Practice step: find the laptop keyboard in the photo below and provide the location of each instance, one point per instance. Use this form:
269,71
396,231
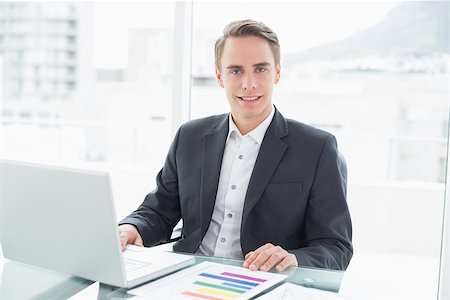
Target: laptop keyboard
131,264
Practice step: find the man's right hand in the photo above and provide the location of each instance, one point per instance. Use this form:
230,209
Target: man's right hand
129,235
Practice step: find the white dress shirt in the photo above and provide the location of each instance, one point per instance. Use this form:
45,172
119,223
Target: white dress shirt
223,235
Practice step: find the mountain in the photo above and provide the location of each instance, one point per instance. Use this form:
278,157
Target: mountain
411,28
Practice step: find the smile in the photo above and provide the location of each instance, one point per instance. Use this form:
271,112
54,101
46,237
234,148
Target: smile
253,98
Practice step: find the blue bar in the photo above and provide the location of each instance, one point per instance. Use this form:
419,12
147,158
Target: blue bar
229,279
236,286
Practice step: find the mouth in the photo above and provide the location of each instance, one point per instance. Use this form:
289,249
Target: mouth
249,98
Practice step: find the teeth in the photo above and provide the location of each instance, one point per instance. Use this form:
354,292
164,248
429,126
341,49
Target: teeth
249,98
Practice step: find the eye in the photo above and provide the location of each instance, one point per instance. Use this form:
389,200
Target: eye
261,69
235,71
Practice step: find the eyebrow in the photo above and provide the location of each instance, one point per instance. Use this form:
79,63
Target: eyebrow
261,64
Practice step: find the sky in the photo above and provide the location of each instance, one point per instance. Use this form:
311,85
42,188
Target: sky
299,24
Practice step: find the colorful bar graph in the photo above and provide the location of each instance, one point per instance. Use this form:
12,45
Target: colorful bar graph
237,286
197,295
226,285
219,287
243,277
228,279
218,293
209,281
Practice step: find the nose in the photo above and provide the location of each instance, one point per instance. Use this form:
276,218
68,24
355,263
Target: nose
248,82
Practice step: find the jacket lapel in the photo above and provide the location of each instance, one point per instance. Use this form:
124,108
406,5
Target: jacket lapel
213,148
271,151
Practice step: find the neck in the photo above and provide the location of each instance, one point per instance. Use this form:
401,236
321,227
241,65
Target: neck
246,125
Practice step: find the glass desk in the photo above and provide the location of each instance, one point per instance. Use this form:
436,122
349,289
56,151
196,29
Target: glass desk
22,281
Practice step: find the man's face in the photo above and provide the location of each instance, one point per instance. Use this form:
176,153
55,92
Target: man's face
248,73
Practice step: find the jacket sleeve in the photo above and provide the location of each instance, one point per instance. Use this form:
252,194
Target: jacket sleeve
156,217
328,229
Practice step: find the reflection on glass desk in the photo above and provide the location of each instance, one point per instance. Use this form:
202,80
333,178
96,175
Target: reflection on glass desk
22,281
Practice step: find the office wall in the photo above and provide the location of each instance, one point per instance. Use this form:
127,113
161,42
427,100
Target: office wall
444,286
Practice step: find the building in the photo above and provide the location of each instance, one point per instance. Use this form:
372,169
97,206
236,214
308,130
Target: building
46,49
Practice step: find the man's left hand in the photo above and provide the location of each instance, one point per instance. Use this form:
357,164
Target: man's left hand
268,256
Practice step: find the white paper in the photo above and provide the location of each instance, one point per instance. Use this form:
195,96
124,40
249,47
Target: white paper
290,291
211,280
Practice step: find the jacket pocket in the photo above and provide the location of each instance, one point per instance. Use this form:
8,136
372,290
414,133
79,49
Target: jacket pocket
284,188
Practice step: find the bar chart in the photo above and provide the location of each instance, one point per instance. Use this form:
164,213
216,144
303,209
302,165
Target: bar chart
210,281
227,285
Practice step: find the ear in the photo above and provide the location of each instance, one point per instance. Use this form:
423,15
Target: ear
219,77
277,74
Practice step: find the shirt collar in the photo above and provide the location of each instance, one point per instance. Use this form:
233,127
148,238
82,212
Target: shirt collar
256,134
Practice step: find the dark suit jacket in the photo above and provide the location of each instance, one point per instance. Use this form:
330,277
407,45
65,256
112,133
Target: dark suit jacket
296,196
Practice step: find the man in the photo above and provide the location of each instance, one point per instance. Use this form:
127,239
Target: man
250,184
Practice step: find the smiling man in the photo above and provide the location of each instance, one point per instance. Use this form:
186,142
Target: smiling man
250,184
247,70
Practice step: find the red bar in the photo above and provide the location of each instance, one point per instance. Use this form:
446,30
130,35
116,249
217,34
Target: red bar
200,296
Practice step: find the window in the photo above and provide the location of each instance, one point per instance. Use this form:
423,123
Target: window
121,125
375,74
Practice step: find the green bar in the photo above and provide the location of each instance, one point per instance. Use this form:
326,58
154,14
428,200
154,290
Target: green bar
219,287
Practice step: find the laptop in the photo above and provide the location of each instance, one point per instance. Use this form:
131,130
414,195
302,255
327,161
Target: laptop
64,220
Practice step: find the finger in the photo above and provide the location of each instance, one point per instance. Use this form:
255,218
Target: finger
138,241
123,240
251,256
254,254
289,261
274,259
263,257
246,263
248,255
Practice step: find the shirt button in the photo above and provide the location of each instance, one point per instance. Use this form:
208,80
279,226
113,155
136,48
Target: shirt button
241,156
233,187
230,216
223,240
